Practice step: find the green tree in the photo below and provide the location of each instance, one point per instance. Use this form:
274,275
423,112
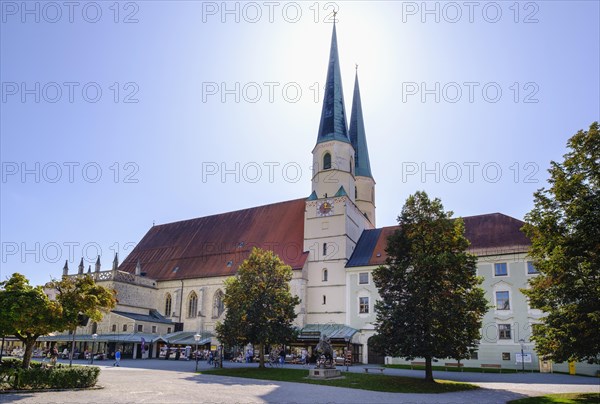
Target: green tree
27,313
431,303
81,298
260,306
564,227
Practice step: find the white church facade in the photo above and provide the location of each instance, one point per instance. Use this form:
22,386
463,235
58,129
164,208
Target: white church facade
170,287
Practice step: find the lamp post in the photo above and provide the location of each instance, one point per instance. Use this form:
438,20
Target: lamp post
522,342
94,336
197,339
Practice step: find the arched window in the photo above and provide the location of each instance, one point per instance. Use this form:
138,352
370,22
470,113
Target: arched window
324,299
168,304
218,304
326,161
355,193
193,305
324,250
325,275
94,327
352,165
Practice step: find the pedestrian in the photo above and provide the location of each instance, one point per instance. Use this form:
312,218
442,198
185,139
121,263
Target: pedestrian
282,356
188,352
117,358
53,356
210,358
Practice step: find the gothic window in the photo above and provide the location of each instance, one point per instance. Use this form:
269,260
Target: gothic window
193,305
218,304
326,161
168,303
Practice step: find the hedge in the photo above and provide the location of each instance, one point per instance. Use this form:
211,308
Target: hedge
37,377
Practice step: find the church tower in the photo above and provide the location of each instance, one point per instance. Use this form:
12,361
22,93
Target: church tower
364,193
333,220
333,155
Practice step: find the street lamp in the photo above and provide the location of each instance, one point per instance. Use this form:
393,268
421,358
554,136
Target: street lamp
94,336
522,342
197,339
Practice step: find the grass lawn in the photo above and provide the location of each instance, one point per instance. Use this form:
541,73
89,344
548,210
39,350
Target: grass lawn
568,398
375,382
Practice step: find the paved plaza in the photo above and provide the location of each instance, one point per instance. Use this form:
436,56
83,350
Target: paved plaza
160,381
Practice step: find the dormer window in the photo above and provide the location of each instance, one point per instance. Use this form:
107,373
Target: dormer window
326,161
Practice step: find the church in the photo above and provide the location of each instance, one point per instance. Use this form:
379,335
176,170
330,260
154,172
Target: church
170,287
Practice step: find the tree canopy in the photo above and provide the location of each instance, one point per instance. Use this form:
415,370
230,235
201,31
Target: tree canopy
259,303
431,303
28,313
564,227
82,296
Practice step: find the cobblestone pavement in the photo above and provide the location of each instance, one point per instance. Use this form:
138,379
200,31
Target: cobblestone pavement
159,381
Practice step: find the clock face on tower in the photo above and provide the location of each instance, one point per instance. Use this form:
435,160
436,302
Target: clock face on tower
325,208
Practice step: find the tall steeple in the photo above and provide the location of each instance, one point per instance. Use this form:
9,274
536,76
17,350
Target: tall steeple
333,124
364,192
357,135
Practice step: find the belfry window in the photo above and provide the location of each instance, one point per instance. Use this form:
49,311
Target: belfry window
326,161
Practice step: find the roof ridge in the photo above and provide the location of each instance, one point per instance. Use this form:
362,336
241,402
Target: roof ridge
229,212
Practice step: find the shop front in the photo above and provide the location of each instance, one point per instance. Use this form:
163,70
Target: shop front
345,351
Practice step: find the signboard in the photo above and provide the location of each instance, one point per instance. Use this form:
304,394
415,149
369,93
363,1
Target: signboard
526,358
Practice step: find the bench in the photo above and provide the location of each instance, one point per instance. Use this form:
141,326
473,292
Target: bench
454,365
380,369
416,364
490,366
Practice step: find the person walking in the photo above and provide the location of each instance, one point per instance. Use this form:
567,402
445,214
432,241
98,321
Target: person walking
117,358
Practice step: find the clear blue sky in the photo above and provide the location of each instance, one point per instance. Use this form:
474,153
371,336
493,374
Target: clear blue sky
83,174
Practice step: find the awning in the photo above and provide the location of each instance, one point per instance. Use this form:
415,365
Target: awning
185,338
313,332
123,338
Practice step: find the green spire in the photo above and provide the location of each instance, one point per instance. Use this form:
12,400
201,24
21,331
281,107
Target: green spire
358,137
340,192
333,116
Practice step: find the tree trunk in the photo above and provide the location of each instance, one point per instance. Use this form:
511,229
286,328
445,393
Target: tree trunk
261,356
29,343
72,348
428,370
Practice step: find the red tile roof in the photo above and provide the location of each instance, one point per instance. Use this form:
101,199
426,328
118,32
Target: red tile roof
216,245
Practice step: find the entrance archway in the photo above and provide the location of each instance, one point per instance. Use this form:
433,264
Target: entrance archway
374,357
